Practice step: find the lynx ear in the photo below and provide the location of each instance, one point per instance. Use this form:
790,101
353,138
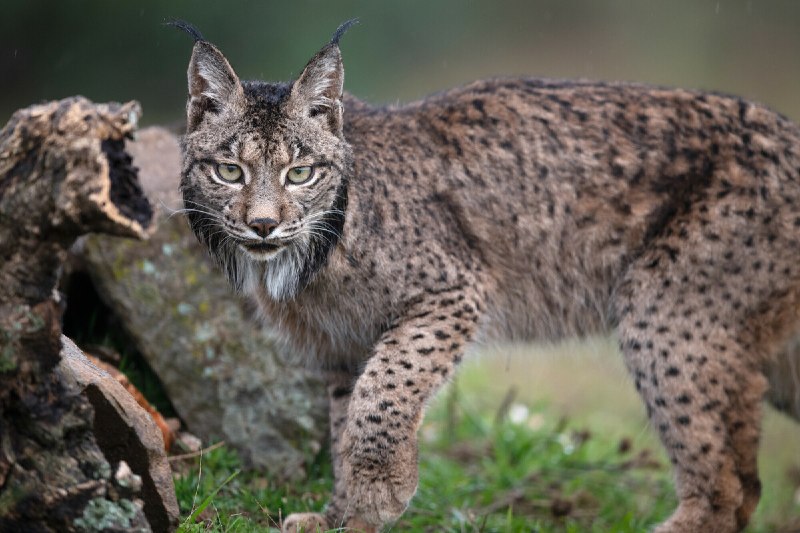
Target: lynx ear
213,85
318,90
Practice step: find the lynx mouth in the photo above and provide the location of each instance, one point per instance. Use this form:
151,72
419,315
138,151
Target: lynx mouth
262,250
262,246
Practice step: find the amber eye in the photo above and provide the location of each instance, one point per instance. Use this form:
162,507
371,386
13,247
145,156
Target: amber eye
298,175
229,172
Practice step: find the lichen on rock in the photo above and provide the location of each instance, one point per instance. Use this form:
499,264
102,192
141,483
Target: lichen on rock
101,515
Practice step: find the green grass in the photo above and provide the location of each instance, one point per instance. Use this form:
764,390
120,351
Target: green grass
248,502
526,471
498,462
530,471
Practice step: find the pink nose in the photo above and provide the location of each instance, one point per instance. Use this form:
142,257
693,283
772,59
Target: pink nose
263,226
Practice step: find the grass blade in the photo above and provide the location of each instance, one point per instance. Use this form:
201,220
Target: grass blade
206,502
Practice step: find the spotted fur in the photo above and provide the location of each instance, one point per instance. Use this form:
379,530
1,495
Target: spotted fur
511,209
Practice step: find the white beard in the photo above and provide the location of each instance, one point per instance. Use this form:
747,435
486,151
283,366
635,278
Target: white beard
279,275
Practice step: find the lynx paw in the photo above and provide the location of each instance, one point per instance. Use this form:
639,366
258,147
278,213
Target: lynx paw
317,523
379,492
305,523
378,499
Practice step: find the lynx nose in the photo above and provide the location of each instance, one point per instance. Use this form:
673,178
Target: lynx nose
263,226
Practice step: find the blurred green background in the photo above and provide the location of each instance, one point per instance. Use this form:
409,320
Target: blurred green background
402,50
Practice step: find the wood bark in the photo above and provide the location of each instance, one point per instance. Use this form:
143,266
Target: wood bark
63,173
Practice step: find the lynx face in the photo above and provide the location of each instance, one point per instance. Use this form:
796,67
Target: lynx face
266,169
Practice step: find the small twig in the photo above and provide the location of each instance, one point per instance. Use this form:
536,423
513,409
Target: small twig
198,453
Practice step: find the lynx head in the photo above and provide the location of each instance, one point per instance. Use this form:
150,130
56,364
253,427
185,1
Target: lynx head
266,167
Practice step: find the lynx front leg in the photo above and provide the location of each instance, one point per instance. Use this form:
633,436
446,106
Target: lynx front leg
409,363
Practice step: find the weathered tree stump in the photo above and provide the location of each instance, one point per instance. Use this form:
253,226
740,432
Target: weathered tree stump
63,173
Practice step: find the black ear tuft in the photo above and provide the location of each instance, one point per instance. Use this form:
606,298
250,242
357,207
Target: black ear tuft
188,28
342,29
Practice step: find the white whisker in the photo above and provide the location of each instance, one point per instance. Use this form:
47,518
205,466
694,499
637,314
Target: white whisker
214,216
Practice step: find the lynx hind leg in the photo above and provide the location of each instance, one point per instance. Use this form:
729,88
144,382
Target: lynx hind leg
743,420
702,396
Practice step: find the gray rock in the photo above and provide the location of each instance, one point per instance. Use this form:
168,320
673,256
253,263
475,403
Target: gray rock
127,436
220,369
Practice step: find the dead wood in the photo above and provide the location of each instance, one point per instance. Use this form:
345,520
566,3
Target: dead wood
63,173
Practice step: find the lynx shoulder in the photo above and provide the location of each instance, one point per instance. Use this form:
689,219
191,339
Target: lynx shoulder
383,241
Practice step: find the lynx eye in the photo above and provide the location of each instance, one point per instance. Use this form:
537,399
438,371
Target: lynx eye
298,175
229,172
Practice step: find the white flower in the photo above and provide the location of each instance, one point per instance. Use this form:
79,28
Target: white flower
517,413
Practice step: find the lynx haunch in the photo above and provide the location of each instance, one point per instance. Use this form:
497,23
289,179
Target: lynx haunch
382,241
